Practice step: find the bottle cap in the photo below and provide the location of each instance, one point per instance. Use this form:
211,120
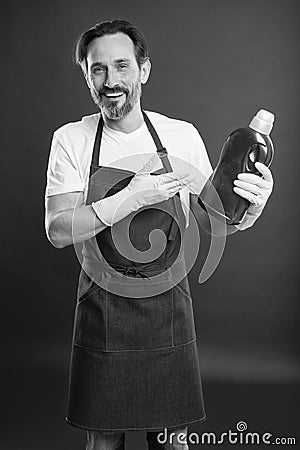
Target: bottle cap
262,122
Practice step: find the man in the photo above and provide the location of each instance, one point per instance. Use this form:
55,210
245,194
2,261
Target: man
134,362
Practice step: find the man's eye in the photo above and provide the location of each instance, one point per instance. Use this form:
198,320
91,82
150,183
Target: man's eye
122,66
97,70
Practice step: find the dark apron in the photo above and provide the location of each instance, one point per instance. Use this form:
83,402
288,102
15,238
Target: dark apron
134,362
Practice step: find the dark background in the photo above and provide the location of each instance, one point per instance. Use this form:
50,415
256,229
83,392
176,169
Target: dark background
214,63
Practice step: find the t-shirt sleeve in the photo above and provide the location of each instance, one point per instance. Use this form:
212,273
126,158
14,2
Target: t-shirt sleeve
200,161
62,174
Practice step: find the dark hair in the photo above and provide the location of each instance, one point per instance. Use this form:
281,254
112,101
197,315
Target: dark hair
111,27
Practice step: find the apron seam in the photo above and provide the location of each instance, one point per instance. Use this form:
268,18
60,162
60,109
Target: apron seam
172,317
202,419
87,294
183,291
134,350
106,320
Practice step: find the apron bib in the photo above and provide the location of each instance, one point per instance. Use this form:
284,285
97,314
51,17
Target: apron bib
134,362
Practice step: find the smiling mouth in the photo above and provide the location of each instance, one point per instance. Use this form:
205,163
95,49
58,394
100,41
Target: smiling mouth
114,95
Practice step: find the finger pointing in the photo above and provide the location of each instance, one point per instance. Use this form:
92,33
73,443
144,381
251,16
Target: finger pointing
149,165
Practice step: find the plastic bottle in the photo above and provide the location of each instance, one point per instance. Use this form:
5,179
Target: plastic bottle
243,147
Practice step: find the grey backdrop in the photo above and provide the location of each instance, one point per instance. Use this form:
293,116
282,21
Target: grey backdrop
214,63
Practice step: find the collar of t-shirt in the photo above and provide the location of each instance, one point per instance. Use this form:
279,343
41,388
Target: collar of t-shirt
127,137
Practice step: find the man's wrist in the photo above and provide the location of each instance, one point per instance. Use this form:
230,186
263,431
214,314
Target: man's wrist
99,212
249,220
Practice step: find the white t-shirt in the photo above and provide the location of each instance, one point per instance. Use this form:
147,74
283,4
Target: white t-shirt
72,147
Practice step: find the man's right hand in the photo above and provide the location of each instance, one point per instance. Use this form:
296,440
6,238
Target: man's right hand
146,189
143,190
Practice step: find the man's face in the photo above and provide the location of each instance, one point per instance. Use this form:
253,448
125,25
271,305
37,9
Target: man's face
113,75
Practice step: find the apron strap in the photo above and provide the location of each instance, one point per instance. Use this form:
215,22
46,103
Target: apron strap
163,154
97,145
161,151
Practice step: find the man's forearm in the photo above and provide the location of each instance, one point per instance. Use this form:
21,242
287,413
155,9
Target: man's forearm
208,223
73,226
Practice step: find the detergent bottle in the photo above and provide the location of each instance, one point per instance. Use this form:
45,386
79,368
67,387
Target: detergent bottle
243,147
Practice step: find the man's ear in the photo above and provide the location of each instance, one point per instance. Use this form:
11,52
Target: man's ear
145,71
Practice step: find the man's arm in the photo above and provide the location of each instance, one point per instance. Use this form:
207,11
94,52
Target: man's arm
256,189
200,171
68,221
209,224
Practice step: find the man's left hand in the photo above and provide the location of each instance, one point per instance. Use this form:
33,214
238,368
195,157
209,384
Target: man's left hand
256,189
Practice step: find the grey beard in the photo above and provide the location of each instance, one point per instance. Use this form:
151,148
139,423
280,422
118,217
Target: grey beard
115,112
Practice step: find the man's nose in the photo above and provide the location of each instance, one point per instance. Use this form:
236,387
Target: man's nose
111,79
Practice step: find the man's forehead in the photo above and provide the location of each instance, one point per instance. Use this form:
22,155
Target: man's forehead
112,46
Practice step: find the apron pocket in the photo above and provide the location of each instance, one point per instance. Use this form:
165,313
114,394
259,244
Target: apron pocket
139,323
90,319
183,315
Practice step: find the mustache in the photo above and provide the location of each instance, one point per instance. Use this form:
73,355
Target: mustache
116,90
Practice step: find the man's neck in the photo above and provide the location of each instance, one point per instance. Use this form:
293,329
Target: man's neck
131,122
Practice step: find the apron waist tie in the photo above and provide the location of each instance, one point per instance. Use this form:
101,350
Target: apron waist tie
145,270
141,280
97,269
